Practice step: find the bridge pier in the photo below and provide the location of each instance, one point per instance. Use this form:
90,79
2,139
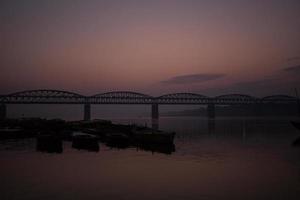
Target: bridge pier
87,112
154,115
155,124
258,110
211,111
2,111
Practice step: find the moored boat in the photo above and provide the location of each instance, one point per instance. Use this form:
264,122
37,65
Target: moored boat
153,136
85,141
49,143
118,140
117,137
166,148
15,133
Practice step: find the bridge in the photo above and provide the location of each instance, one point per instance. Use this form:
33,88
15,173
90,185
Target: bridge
127,97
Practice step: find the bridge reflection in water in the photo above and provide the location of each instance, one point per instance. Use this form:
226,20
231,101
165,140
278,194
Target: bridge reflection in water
126,97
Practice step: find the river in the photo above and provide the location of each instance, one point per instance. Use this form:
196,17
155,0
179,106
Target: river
225,158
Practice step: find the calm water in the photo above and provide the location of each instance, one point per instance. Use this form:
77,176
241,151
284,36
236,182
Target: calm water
221,159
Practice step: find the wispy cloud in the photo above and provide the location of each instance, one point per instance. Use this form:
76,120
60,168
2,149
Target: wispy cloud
293,58
255,84
293,69
193,78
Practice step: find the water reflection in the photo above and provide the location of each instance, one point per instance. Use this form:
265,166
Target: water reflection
221,159
118,144
211,126
195,131
167,148
54,144
157,148
189,130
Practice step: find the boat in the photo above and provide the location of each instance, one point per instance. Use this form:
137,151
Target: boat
296,124
49,143
117,137
85,141
153,136
6,132
118,140
15,133
165,148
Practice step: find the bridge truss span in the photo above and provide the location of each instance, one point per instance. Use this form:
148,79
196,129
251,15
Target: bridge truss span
230,99
279,99
182,98
121,97
44,97
127,97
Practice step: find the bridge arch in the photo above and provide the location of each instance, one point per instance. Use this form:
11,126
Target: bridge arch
236,96
45,93
279,97
182,96
45,97
122,94
230,99
121,97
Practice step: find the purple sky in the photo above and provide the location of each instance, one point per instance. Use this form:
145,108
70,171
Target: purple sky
155,47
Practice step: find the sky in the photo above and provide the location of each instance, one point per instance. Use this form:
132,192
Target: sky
210,47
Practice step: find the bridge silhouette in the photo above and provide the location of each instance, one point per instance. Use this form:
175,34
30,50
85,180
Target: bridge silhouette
127,97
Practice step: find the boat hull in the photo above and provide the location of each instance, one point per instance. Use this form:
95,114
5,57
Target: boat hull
49,144
85,142
154,138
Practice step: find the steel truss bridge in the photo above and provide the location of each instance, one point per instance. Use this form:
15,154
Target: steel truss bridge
127,97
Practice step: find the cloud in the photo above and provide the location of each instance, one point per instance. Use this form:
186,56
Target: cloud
259,87
255,84
193,78
293,58
292,69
